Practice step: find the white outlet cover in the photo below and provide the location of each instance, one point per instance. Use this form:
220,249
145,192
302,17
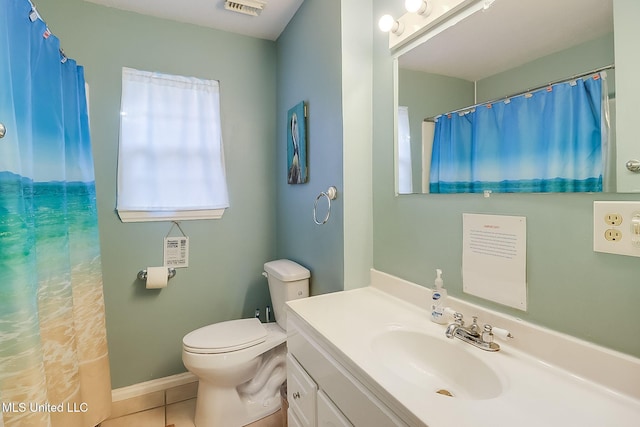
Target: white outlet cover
629,244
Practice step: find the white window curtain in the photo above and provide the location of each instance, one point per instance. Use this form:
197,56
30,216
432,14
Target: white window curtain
170,158
405,174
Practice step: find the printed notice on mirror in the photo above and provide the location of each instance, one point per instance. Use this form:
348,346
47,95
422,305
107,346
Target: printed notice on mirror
494,258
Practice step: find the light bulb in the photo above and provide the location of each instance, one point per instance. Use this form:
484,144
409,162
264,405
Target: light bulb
386,23
412,5
421,7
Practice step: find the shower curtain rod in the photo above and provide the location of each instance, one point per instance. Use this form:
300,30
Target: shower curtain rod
493,101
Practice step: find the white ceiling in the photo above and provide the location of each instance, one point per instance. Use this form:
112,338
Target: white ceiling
510,33
211,13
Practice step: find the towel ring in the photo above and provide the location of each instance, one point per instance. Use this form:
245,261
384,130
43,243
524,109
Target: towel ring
330,194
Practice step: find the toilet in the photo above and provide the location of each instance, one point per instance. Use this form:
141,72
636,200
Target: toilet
240,364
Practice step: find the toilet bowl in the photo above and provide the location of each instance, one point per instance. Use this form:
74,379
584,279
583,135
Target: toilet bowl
239,380
240,364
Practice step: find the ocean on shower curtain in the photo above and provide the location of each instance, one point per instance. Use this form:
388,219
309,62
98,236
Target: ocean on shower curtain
54,367
550,140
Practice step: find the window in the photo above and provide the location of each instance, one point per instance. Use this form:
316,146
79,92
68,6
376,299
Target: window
170,157
405,174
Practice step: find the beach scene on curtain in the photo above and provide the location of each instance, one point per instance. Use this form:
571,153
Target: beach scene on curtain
297,144
52,324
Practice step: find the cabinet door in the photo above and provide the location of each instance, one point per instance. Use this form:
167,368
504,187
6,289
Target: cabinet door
292,420
328,413
301,393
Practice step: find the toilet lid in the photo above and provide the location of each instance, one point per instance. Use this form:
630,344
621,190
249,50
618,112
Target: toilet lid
226,336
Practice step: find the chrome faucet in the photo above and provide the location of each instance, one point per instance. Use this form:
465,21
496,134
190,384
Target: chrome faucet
472,334
452,328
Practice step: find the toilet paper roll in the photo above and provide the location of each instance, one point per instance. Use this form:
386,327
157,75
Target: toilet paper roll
157,277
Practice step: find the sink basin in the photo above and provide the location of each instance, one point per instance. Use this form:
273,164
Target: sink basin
436,365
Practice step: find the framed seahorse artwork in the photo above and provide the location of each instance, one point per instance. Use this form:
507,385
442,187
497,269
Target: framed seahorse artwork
297,172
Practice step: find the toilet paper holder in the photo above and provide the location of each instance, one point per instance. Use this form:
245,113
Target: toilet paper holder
142,274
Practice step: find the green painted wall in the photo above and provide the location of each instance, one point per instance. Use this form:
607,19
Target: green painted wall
357,105
324,59
625,17
223,281
571,289
309,69
575,60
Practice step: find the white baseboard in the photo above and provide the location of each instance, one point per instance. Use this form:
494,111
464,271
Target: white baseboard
152,386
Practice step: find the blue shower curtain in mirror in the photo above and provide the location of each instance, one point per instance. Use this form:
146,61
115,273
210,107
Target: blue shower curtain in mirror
54,367
549,140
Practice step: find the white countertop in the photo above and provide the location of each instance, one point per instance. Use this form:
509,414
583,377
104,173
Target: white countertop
535,392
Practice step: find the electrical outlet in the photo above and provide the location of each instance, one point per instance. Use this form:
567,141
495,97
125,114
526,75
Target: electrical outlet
613,235
613,219
616,228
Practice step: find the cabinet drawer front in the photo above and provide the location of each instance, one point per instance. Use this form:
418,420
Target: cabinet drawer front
328,414
301,393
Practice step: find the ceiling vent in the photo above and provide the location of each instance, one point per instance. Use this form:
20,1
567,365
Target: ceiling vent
247,7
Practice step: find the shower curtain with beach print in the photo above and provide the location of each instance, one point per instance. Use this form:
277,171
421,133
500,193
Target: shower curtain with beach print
551,140
54,367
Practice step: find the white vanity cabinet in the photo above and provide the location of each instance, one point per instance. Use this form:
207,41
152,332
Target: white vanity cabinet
292,419
301,393
328,413
322,392
373,370
308,406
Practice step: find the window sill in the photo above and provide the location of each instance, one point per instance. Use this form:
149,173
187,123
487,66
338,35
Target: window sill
149,216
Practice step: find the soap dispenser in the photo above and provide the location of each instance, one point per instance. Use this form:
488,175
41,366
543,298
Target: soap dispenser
438,300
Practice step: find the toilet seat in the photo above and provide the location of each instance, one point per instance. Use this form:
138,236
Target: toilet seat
225,337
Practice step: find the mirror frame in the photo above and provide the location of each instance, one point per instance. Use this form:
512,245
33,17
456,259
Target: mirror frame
418,37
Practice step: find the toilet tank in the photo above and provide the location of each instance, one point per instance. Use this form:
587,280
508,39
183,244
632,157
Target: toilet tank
287,281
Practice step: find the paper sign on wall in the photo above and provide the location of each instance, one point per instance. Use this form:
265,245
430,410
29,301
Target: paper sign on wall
494,258
176,252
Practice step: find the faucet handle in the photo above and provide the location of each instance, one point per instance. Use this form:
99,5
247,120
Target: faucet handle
475,328
457,317
502,333
487,334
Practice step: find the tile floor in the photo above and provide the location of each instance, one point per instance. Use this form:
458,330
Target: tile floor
175,406
179,414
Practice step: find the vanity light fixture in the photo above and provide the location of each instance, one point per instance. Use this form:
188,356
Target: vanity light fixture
429,18
421,7
388,24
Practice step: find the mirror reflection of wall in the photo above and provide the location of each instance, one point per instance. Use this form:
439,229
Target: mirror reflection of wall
427,94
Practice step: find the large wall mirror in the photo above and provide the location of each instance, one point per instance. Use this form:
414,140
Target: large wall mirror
511,48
